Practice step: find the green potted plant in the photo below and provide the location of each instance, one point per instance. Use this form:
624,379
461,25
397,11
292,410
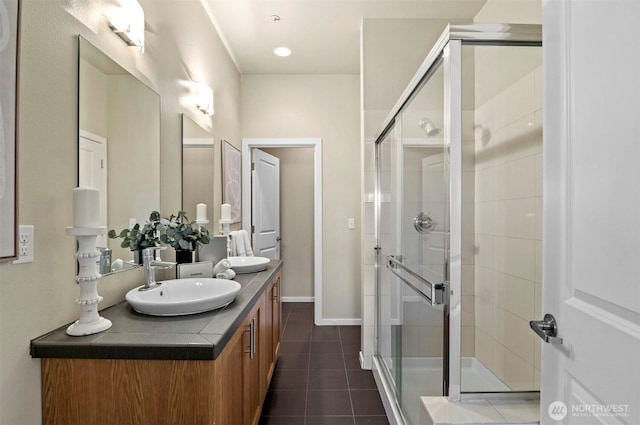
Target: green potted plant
140,237
183,235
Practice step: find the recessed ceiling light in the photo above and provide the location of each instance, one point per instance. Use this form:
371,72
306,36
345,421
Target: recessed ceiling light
282,51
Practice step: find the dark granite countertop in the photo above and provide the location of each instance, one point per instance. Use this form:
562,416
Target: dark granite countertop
136,336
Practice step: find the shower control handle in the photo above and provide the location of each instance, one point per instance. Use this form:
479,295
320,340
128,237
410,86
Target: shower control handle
547,329
423,223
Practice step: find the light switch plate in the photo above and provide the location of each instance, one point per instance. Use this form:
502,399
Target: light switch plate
351,223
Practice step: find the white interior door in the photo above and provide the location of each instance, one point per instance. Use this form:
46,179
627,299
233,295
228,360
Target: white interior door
591,212
266,205
92,172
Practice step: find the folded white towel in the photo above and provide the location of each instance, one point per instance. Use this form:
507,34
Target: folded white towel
240,248
221,267
227,274
247,242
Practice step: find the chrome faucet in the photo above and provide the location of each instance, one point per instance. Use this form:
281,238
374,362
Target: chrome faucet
150,265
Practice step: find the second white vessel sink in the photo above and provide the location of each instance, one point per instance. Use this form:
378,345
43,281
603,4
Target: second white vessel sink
248,264
179,297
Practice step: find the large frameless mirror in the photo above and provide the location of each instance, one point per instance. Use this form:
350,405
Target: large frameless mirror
118,144
197,172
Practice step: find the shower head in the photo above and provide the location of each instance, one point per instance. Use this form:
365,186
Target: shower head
429,127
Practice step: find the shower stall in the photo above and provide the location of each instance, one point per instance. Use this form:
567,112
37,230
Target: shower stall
458,221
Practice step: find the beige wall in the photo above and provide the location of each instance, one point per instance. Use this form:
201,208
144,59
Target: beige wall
324,106
296,220
37,297
510,11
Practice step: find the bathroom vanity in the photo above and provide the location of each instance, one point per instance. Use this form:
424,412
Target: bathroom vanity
208,368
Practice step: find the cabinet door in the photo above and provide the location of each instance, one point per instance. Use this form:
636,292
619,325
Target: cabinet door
266,348
252,399
229,385
276,318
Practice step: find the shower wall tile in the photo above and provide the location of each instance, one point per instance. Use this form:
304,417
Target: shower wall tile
468,280
368,222
485,217
515,256
518,374
518,337
369,157
368,284
508,221
516,101
538,218
518,296
515,218
368,253
370,186
516,179
484,348
484,250
539,175
468,310
537,83
537,304
468,341
538,262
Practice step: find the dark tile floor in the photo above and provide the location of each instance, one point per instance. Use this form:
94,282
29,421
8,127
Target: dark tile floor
318,379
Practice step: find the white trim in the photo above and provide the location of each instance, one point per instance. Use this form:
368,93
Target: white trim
316,144
387,395
91,136
297,299
453,140
340,322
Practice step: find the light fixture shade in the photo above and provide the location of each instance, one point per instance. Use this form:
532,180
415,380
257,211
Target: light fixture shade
204,98
126,18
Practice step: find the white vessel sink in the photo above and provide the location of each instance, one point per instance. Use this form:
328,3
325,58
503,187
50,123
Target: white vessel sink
179,297
248,264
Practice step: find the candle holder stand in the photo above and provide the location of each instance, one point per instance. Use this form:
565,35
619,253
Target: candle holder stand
90,321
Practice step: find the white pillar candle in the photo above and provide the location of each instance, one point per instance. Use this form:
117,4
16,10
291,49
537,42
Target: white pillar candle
225,212
86,207
201,212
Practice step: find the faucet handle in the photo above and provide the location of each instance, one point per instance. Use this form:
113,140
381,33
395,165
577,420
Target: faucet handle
149,252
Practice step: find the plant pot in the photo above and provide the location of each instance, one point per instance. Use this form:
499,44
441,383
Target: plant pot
183,256
137,256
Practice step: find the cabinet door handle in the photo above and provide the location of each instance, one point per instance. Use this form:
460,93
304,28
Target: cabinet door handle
276,289
253,338
249,349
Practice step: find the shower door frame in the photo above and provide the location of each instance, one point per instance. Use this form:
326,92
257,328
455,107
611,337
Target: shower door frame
449,47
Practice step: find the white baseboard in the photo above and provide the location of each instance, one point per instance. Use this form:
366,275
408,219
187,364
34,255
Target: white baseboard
340,322
297,299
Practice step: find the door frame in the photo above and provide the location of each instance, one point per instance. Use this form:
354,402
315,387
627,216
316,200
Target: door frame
316,144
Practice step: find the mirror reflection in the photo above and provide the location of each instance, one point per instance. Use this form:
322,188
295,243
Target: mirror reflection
119,143
197,172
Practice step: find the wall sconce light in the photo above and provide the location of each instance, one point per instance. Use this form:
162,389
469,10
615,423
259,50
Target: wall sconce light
204,98
126,18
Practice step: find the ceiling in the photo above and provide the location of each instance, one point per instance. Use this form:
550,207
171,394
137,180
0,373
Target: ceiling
324,35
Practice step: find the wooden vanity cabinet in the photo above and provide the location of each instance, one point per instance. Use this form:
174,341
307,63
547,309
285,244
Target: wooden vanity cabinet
227,391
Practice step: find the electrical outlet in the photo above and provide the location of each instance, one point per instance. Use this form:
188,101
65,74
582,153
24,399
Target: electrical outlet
25,245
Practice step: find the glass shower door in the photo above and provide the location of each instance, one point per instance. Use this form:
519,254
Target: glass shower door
413,237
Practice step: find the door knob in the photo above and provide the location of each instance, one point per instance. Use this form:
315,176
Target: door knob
547,329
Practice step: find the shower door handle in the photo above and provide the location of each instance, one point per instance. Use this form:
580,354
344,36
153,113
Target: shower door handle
547,329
